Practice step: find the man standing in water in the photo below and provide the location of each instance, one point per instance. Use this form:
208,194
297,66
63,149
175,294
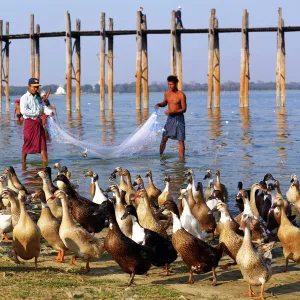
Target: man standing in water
175,126
32,109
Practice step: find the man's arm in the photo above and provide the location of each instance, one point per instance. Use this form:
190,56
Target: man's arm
25,110
162,104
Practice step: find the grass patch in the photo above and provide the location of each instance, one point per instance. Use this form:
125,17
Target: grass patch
152,291
58,283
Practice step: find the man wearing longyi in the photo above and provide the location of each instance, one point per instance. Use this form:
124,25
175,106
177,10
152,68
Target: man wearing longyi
175,125
32,108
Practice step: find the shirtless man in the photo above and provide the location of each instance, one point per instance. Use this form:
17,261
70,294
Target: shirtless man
175,126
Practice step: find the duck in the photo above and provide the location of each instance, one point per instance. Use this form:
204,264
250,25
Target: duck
99,196
123,184
288,234
259,231
3,186
221,187
189,190
133,258
164,252
238,200
188,221
11,196
204,215
152,191
55,206
215,198
26,235
165,195
130,192
82,209
232,237
125,225
196,193
197,255
293,192
5,225
76,238
13,181
210,185
255,267
146,215
49,226
51,186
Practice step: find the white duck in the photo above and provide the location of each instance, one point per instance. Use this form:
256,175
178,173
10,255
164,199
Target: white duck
210,186
188,221
98,197
5,224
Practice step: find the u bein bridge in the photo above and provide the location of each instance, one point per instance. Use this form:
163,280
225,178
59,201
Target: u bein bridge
141,32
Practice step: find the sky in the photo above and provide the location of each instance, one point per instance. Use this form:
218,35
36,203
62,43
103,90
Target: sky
195,14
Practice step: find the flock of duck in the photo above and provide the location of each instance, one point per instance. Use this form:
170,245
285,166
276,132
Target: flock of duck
138,218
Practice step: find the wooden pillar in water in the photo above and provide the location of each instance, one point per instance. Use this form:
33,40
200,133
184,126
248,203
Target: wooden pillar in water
211,33
6,79
282,68
102,62
110,68
138,72
78,64
280,63
216,62
37,53
179,57
244,71
68,61
145,64
32,50
1,65
173,43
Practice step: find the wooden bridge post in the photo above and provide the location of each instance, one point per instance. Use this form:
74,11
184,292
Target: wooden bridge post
282,68
244,71
110,68
278,59
6,79
68,60
173,43
216,62
138,60
179,56
211,47
78,64
145,64
102,61
1,64
32,50
37,52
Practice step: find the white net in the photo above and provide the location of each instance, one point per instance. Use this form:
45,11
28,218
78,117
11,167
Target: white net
139,141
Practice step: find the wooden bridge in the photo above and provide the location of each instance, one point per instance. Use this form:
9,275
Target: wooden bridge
141,32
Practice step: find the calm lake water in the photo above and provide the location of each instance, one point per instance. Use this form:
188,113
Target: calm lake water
243,144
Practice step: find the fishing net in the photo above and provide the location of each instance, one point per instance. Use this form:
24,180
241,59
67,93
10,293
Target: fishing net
139,141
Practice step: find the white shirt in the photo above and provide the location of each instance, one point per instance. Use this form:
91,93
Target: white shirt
32,105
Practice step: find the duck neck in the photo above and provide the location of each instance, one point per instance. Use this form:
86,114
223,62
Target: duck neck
118,198
283,217
15,206
252,202
247,237
66,217
176,223
135,222
167,187
151,184
218,179
273,196
247,207
46,189
186,210
193,185
129,183
225,216
209,185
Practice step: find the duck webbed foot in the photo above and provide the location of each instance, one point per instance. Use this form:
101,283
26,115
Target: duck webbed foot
73,259
250,293
6,238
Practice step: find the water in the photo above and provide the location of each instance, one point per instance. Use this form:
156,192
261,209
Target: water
243,144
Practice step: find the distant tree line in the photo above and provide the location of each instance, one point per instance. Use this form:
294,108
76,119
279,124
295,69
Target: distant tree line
162,86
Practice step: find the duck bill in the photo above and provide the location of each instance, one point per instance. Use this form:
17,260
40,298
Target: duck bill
36,176
124,216
134,183
205,177
160,210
